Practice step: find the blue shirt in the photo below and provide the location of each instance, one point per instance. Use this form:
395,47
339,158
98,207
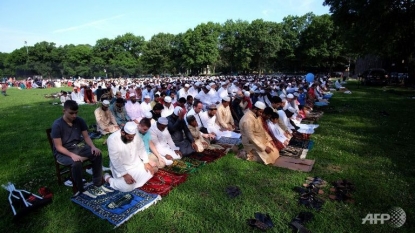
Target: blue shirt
301,98
146,140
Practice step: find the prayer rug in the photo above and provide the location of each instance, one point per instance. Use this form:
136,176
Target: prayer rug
209,155
305,165
292,151
229,141
184,165
117,207
163,182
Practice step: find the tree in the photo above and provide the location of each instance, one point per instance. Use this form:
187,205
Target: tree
200,46
77,60
383,27
320,44
292,29
157,53
229,45
261,42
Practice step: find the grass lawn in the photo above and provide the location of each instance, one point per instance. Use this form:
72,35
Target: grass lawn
356,143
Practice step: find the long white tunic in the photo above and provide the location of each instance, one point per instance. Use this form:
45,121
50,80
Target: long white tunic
164,143
212,127
167,111
285,120
145,107
127,158
133,110
276,131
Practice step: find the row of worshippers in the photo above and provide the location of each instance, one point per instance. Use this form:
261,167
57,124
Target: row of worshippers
136,151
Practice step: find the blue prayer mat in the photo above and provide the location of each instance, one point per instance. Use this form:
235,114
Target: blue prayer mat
117,207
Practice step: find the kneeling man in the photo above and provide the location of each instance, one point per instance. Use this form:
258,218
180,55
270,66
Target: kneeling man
128,160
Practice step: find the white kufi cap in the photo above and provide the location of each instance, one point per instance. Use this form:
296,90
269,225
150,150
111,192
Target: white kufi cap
163,121
130,128
167,99
260,105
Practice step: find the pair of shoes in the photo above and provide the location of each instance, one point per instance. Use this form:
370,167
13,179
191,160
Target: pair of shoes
89,171
297,224
261,221
98,191
69,183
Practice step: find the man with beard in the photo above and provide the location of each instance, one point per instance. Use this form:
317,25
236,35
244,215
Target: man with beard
256,141
106,122
119,112
208,120
156,112
133,109
168,107
129,161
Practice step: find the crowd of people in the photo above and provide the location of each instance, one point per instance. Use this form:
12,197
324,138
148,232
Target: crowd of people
152,122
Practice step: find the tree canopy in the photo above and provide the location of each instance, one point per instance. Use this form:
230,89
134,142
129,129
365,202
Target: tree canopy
297,43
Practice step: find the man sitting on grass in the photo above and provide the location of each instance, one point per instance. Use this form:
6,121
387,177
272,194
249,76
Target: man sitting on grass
105,120
257,142
72,146
129,161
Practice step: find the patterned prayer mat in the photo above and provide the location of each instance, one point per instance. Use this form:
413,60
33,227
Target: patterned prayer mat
184,165
117,207
231,141
299,143
210,155
163,182
292,151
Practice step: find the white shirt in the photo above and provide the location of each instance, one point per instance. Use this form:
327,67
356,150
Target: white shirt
192,91
78,97
162,141
197,116
285,120
183,93
125,156
209,122
276,131
133,110
145,107
167,111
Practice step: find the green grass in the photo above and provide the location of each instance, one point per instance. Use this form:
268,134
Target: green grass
356,143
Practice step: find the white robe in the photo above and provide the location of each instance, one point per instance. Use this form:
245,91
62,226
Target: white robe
145,107
164,143
212,127
167,111
133,110
277,131
127,158
285,120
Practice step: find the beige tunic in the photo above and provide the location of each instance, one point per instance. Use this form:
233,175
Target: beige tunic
105,120
255,139
224,117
